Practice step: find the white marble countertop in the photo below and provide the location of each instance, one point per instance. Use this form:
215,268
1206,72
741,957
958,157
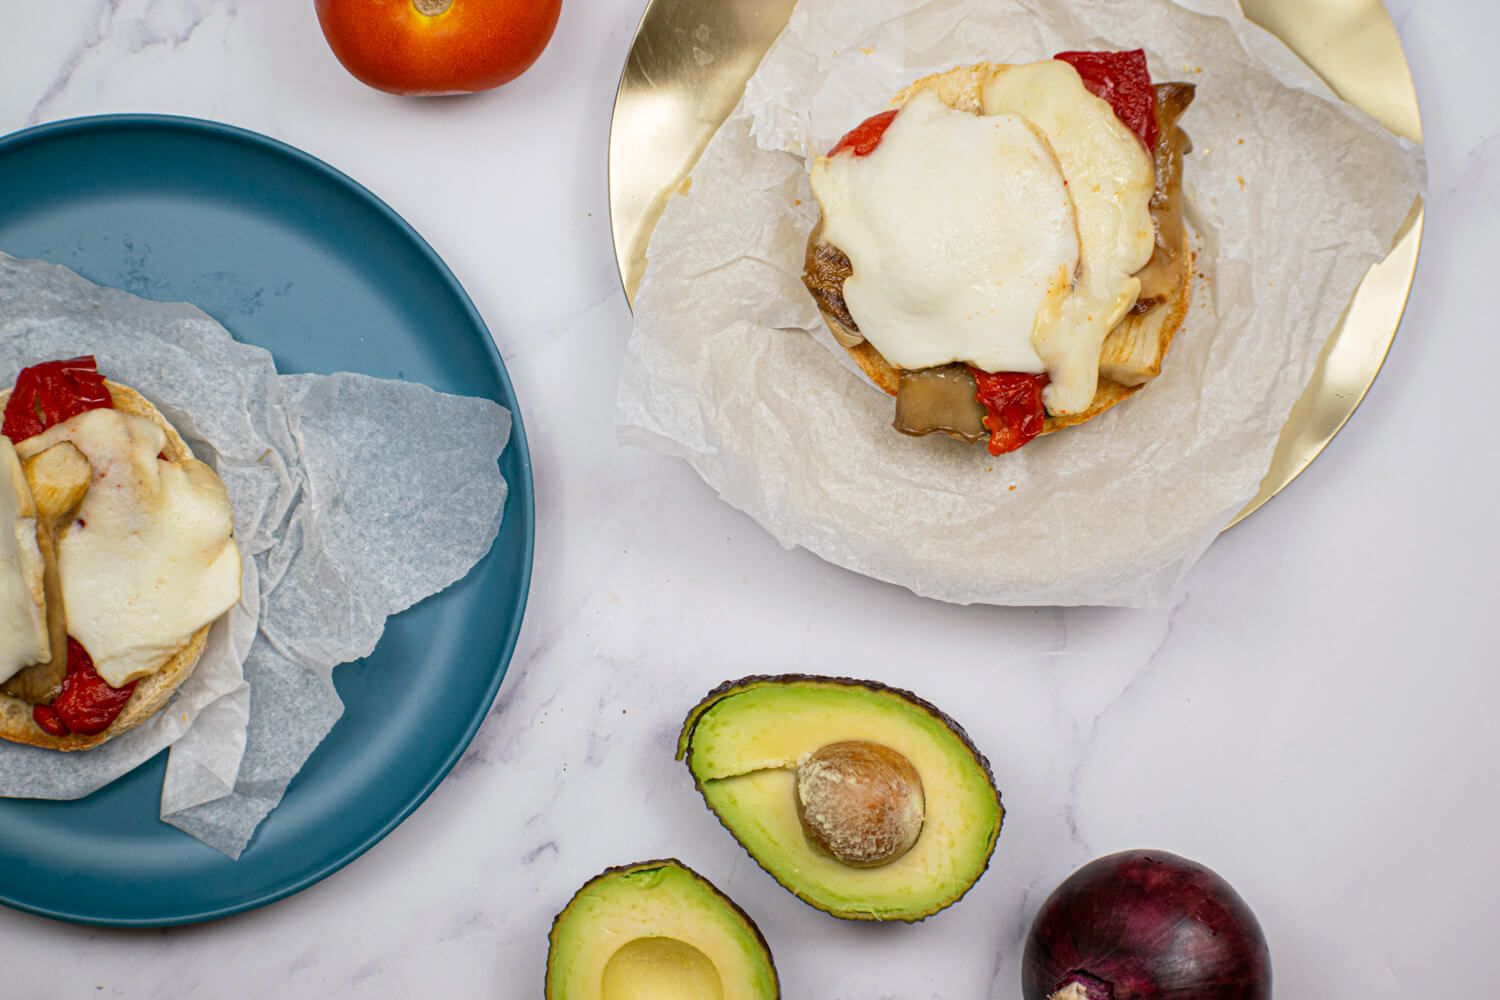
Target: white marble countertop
1315,719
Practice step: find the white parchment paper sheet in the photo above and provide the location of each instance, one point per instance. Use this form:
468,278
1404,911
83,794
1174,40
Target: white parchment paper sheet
354,499
1292,196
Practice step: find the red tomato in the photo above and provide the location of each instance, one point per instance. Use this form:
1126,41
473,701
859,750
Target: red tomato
427,47
86,704
52,392
1014,404
1122,79
863,138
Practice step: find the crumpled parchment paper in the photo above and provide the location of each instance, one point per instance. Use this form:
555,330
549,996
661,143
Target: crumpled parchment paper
354,498
1291,194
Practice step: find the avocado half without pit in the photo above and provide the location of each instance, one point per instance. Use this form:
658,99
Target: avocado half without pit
656,930
862,800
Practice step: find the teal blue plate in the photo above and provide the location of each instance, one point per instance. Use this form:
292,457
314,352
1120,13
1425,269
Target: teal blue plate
292,255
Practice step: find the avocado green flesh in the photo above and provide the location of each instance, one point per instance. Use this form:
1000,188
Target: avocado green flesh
743,751
656,931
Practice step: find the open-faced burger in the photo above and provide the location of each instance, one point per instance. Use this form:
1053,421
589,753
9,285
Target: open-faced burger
116,556
1004,251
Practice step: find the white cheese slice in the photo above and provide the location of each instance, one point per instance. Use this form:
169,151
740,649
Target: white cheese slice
1111,178
149,558
23,614
960,231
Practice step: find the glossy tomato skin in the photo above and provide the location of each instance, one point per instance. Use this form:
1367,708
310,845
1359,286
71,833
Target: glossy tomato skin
472,45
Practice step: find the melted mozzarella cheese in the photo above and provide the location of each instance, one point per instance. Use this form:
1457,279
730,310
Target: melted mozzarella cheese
961,233
1111,178
149,559
23,619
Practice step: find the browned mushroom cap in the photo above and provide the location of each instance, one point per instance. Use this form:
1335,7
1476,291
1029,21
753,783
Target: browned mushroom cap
1162,275
824,274
941,400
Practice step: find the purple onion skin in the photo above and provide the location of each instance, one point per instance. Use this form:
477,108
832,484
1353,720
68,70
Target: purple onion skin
1147,925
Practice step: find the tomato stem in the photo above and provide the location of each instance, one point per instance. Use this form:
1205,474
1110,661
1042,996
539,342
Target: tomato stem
432,8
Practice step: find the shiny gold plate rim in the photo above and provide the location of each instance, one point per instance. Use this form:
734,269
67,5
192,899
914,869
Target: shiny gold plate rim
690,59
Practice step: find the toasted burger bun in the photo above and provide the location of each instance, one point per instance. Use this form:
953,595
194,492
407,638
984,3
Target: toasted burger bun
961,88
151,693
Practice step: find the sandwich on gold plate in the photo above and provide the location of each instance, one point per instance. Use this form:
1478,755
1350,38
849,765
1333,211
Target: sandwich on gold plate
116,556
1004,251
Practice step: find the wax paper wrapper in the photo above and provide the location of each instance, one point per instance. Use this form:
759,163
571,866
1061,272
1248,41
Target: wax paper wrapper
354,498
1291,195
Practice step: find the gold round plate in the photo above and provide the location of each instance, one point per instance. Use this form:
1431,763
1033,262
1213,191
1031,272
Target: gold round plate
691,60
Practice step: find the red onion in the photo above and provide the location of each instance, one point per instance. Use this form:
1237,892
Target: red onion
1145,925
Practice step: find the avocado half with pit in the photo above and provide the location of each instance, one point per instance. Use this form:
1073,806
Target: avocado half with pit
862,800
656,930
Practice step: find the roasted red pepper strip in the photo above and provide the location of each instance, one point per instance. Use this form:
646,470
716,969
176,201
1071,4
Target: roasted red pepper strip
50,393
1122,79
48,720
864,137
1014,403
87,704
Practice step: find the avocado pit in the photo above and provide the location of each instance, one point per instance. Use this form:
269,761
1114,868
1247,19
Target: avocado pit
860,802
660,968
